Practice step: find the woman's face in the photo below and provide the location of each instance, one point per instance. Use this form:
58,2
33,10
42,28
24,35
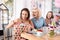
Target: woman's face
49,15
35,13
24,15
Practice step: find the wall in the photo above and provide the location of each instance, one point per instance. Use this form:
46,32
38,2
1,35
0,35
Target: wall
19,4
48,6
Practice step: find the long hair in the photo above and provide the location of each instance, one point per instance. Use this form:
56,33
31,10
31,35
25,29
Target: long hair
51,15
27,10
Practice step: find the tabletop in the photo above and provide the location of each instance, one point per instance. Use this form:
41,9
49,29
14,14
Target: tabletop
33,37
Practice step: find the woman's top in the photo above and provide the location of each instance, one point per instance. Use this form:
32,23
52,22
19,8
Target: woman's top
20,26
38,23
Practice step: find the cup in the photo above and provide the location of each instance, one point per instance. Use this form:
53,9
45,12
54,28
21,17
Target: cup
39,34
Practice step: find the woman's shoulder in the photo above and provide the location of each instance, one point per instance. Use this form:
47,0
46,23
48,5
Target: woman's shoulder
42,18
17,20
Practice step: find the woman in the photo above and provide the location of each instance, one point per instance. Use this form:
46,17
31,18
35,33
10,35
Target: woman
49,17
37,19
24,19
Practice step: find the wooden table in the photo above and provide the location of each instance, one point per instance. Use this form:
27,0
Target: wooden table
33,37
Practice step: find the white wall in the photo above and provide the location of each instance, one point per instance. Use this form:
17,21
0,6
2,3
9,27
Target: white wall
19,4
48,6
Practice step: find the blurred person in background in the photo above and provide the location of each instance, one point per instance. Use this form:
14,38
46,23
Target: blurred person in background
49,18
57,18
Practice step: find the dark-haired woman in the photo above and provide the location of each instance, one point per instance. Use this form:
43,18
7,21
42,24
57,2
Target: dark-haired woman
22,21
49,17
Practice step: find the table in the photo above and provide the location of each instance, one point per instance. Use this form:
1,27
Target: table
33,37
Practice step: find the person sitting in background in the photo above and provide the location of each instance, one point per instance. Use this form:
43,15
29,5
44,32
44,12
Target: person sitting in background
49,17
24,20
57,18
37,20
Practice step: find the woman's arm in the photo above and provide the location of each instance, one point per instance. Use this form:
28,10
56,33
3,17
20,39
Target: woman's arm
12,23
